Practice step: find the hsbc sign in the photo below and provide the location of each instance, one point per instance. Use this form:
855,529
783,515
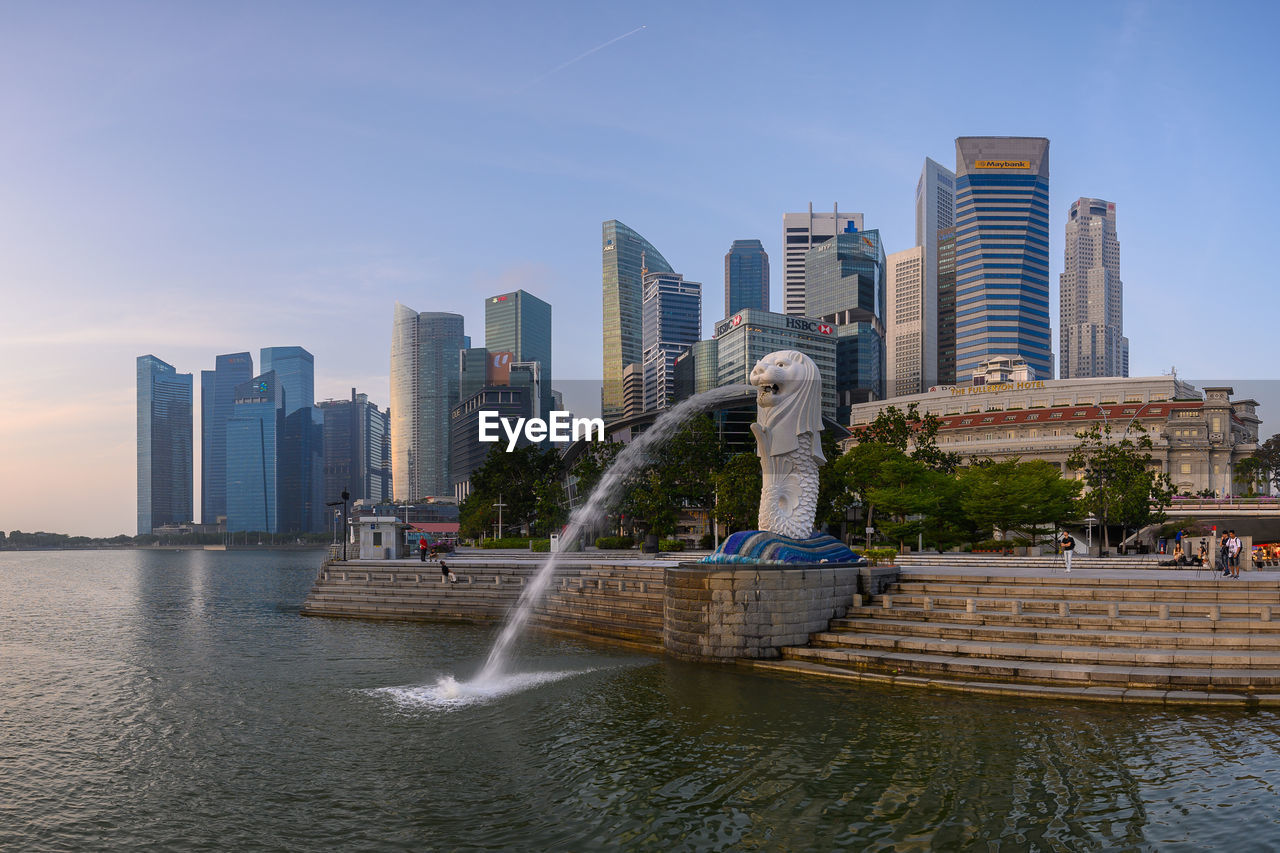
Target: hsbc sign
725,325
803,325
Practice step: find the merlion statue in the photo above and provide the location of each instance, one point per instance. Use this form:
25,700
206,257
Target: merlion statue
788,441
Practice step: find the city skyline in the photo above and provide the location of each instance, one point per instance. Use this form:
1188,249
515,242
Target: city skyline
206,183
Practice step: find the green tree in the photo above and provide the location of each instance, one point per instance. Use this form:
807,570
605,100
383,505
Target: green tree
520,480
678,476
1019,497
912,433
1252,473
1121,486
738,483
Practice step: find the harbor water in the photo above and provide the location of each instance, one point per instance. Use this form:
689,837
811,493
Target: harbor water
178,701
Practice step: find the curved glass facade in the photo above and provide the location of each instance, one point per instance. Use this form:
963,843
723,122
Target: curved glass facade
623,253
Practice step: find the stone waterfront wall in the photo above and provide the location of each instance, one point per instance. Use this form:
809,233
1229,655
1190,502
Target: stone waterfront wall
620,601
726,612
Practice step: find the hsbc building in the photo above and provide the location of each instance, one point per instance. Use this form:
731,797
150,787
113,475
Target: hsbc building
747,336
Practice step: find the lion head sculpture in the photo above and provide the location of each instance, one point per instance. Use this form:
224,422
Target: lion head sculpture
789,400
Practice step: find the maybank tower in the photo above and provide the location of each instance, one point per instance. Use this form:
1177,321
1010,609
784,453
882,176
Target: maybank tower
1002,253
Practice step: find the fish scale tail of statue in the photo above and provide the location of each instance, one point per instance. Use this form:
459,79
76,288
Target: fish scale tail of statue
788,433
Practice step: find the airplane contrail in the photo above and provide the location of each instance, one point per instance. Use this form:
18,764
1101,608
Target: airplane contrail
562,66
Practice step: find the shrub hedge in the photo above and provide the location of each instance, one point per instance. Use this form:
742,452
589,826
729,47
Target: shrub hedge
614,543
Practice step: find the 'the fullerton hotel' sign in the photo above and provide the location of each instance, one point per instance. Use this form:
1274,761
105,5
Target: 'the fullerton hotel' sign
994,387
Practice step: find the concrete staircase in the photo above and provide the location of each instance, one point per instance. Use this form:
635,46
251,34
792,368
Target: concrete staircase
1166,637
1047,563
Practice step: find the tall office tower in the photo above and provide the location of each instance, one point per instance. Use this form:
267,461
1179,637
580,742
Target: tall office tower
1002,252
520,323
217,399
301,473
904,325
164,445
632,391
624,253
473,371
254,434
1092,311
946,306
845,286
746,277
295,370
749,335
424,387
357,450
671,323
800,233
935,210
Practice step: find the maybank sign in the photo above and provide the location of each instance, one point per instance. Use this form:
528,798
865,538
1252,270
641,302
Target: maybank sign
1002,164
994,387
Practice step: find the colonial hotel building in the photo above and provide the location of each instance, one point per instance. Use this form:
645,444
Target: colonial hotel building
1198,438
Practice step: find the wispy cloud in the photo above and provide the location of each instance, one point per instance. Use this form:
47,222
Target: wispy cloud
562,66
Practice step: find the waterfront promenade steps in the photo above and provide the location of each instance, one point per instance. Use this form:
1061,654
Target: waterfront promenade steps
1135,636
1045,562
620,601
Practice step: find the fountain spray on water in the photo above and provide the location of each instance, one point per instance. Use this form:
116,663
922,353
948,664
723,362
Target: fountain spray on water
598,503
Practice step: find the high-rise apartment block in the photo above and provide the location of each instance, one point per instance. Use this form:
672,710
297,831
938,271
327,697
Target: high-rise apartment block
935,211
357,449
905,325
800,233
424,388
165,468
520,323
671,322
217,401
1002,252
1091,315
746,277
624,255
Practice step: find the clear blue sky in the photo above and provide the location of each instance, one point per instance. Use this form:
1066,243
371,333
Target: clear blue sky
189,179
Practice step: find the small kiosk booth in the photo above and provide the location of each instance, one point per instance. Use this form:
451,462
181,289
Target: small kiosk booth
378,537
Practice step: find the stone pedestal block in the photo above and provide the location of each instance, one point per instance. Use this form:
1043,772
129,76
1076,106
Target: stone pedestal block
723,612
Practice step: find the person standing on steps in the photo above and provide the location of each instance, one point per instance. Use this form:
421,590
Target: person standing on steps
1233,553
1068,545
422,549
1223,553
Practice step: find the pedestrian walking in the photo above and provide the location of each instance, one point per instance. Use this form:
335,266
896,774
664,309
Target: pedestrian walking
1068,545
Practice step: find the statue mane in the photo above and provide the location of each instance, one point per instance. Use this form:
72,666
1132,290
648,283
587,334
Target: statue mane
800,409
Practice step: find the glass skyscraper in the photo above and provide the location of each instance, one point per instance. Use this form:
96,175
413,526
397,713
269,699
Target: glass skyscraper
425,368
520,323
253,455
357,449
1002,252
746,277
165,466
946,306
935,211
844,284
295,370
623,254
671,323
217,400
800,233
749,335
